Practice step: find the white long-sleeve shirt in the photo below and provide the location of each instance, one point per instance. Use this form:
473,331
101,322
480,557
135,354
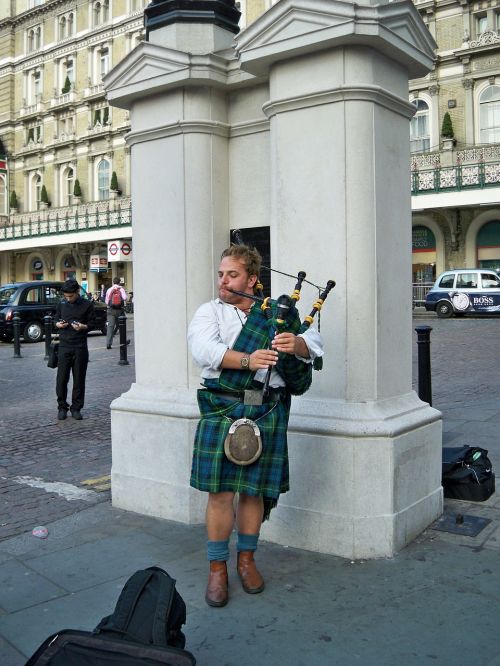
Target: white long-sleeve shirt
215,328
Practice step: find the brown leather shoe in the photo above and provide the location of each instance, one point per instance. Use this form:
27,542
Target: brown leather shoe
251,580
217,587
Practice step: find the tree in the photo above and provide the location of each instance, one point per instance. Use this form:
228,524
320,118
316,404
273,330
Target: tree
447,127
77,190
13,200
114,182
44,197
67,86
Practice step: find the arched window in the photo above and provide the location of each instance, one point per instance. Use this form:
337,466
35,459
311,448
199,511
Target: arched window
35,191
31,40
105,10
38,38
103,180
103,62
70,24
67,186
419,127
62,27
489,115
3,196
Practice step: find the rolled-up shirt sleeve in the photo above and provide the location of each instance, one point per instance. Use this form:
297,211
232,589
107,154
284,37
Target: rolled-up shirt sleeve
314,343
204,338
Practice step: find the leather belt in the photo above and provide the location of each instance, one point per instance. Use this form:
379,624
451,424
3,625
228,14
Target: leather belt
273,395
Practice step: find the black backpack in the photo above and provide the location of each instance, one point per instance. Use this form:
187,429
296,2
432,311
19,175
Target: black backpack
467,473
145,628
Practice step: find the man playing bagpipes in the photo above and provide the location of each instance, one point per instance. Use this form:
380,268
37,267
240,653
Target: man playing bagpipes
241,439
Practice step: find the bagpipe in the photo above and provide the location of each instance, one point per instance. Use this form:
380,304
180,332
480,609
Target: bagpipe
264,322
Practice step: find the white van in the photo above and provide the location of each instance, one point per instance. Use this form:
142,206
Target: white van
465,290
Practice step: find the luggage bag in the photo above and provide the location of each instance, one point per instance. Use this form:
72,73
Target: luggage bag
83,648
467,474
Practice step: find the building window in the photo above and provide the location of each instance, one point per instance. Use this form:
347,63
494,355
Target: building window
34,86
3,195
34,134
489,115
419,128
65,25
34,38
103,180
103,62
68,183
35,3
481,24
35,191
100,12
70,70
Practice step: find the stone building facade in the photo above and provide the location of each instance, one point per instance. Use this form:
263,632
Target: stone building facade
62,141
455,181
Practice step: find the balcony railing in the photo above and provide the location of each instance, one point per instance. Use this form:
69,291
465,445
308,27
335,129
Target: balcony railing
455,178
85,217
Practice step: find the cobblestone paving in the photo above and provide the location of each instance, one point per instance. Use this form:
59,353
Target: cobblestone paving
34,445
37,449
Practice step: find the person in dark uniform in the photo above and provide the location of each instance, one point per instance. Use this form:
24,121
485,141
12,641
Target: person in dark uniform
75,317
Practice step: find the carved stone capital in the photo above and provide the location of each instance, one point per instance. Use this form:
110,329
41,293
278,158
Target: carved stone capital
468,84
433,90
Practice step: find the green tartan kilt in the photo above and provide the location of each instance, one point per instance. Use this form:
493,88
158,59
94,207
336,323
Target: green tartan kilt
213,472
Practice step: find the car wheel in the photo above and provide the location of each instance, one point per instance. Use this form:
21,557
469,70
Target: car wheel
33,332
444,309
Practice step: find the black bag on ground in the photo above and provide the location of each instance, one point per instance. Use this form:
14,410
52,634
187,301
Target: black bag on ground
144,629
149,610
53,355
467,474
83,648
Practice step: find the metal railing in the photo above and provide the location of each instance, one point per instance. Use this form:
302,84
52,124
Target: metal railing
455,178
84,217
419,292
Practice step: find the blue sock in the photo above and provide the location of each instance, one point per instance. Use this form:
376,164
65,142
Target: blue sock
218,551
247,542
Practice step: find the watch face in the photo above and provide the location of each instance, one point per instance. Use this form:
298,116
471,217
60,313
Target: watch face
244,362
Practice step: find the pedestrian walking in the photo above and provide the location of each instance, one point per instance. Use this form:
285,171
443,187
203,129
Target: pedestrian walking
75,317
234,320
115,299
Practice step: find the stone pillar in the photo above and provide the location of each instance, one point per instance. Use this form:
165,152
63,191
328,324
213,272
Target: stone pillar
468,84
365,452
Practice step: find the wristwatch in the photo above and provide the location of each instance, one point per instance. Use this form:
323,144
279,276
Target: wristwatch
245,362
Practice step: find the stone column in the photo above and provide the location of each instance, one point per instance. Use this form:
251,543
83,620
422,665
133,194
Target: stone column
365,451
468,84
179,183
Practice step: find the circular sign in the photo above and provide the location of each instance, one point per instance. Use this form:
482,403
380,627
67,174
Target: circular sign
37,264
113,249
126,249
460,301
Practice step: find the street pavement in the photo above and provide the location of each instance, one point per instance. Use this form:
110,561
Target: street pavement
435,602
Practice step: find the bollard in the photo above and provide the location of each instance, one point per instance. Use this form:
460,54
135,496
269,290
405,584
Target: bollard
47,325
122,328
16,325
424,363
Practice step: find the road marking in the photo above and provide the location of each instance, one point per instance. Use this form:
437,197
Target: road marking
66,490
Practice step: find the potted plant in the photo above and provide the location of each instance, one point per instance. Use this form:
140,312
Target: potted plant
14,203
77,192
67,86
44,198
113,186
447,133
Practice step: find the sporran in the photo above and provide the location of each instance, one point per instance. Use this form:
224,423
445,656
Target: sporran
243,444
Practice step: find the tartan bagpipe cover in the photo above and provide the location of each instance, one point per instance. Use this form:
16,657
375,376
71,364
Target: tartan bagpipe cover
256,334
